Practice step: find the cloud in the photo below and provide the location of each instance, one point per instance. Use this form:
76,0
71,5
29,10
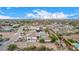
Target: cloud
8,17
4,17
31,15
43,14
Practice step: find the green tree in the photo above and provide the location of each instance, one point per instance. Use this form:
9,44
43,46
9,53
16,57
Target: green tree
42,40
53,38
12,47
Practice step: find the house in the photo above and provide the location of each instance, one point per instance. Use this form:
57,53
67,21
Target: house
43,35
32,37
15,25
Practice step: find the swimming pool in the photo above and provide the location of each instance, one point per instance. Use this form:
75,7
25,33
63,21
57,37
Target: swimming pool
77,45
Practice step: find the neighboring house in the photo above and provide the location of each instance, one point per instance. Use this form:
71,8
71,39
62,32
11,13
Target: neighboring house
43,35
7,28
15,25
33,28
1,27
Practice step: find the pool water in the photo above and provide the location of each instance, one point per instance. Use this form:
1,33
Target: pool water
77,45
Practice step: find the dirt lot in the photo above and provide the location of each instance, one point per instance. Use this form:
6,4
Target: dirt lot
74,36
25,44
7,34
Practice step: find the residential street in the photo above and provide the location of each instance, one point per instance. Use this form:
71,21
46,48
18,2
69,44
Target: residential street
12,39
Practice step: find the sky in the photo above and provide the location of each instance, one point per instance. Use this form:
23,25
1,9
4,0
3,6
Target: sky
39,12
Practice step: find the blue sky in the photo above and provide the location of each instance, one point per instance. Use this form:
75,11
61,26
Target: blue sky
39,12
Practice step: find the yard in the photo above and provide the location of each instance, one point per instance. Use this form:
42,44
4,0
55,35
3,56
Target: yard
7,34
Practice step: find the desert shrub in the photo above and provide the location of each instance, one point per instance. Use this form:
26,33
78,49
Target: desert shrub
42,41
12,47
31,48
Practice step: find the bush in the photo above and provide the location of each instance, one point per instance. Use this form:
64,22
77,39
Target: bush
72,41
77,32
31,48
41,48
34,48
1,39
0,35
12,47
46,30
42,41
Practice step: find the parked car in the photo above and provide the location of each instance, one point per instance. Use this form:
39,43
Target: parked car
7,39
0,44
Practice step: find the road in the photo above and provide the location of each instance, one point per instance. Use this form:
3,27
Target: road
12,39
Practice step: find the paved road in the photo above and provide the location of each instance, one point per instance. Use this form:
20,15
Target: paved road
12,40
